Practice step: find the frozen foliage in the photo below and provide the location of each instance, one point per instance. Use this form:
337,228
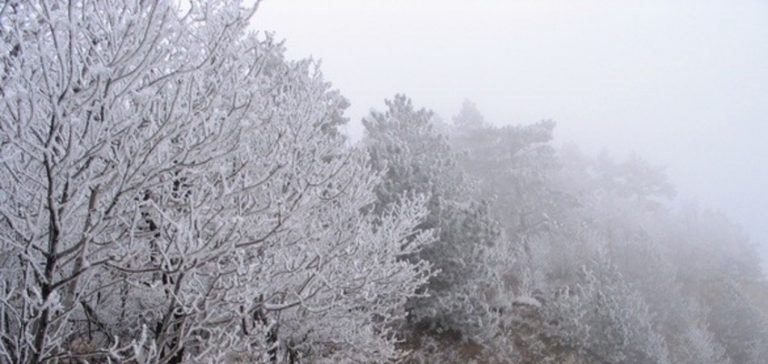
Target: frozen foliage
604,319
174,190
588,264
415,159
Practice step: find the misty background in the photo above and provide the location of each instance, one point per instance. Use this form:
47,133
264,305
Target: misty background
682,84
179,188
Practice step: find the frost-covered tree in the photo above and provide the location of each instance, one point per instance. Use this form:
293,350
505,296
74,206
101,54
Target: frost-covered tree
716,263
173,190
415,159
469,116
673,262
604,320
510,166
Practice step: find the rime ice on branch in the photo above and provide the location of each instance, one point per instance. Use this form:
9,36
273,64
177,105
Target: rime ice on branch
173,189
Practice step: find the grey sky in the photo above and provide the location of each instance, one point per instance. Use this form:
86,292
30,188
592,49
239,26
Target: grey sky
681,83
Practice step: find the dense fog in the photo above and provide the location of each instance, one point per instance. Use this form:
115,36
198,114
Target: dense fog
533,182
679,83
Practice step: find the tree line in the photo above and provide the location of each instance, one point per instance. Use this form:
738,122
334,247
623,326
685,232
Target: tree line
175,190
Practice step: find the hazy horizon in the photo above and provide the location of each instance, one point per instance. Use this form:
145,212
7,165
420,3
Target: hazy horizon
683,85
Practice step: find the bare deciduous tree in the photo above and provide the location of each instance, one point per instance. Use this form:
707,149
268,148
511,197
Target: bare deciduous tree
174,189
